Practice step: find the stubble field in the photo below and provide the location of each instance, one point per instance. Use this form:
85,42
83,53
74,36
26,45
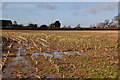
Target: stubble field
59,54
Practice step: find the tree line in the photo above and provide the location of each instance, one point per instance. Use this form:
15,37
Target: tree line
107,24
55,25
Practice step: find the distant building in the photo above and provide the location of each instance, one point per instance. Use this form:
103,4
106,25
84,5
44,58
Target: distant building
5,24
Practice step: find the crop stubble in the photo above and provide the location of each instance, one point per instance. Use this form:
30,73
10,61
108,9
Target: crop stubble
59,54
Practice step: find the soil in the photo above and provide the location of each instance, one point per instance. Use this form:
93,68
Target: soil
52,54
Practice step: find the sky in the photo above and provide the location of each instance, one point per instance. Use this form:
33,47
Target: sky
68,13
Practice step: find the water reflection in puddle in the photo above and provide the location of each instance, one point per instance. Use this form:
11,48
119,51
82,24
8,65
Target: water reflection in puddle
37,54
19,57
55,54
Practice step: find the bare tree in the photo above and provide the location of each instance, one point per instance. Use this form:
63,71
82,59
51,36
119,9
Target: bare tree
78,27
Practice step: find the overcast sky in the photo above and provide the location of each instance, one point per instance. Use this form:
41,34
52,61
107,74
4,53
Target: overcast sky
68,13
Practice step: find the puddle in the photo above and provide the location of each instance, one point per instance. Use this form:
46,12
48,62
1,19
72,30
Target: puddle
19,57
37,54
55,54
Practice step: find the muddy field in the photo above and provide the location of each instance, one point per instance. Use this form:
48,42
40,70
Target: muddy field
59,54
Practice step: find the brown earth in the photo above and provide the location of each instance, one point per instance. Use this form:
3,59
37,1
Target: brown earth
59,54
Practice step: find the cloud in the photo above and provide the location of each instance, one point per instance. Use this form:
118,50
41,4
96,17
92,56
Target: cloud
47,6
10,5
104,7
